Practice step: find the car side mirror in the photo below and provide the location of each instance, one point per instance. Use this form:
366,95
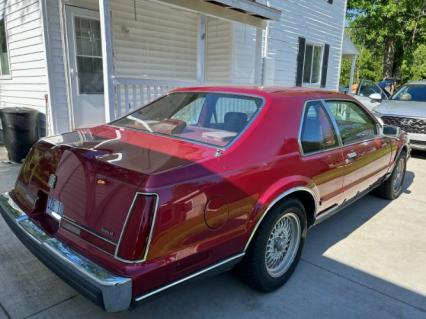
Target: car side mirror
391,130
376,97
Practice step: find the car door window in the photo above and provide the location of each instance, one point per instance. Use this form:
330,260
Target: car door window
367,88
317,132
354,123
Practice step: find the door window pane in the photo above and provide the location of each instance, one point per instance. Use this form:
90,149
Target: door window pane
89,56
369,87
4,56
354,123
317,132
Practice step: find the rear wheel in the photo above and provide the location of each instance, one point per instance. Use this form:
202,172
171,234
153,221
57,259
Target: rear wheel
276,248
392,187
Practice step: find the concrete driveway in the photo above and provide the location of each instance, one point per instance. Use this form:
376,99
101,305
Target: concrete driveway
369,261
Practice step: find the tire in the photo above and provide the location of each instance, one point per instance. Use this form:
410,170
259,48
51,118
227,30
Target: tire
257,269
392,187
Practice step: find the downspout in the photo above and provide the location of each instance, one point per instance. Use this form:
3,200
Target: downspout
264,54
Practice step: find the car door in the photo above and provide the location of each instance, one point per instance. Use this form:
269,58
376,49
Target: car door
321,155
367,153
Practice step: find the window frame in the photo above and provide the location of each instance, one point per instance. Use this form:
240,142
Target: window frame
367,112
335,126
6,76
310,83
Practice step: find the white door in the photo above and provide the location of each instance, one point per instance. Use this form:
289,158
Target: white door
85,66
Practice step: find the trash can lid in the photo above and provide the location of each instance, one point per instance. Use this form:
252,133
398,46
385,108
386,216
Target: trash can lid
17,110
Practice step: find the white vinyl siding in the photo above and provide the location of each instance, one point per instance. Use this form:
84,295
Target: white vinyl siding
218,50
318,22
156,42
230,52
244,54
27,83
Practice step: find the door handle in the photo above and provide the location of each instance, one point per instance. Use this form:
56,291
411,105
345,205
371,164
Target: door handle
351,156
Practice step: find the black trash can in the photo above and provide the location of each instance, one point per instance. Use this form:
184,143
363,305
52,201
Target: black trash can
20,131
41,128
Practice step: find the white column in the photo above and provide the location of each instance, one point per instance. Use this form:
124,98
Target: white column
105,21
351,78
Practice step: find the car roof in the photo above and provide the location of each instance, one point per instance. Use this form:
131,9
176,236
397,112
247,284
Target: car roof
265,90
421,82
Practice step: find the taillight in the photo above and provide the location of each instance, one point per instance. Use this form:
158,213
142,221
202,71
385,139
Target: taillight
135,238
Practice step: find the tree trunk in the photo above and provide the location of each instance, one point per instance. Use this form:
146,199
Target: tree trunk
389,57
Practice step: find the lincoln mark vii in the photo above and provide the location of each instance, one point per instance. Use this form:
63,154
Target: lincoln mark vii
200,180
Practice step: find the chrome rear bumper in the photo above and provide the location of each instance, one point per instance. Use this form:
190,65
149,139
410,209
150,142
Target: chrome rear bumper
111,292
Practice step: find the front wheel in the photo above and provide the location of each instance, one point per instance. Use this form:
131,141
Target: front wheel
277,247
392,187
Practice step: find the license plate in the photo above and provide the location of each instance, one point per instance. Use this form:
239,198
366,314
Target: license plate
54,208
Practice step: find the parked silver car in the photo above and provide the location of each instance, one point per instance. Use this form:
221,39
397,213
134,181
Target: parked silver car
406,109
370,94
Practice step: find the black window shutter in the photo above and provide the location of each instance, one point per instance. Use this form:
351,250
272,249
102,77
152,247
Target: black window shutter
300,60
325,66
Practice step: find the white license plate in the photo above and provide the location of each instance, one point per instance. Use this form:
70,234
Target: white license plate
54,208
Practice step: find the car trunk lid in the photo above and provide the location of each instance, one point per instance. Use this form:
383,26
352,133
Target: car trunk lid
95,174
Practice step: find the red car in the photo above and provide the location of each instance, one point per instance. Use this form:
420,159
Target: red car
199,180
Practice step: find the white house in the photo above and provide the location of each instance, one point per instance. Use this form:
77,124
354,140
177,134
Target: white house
84,62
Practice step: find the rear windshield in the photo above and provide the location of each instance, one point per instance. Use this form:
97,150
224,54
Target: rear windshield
210,118
415,93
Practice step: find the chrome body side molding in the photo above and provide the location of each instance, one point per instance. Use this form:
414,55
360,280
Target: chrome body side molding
276,200
230,260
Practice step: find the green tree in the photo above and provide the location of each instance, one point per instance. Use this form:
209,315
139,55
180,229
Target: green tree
391,29
368,66
418,69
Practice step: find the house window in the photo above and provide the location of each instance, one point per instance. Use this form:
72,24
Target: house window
4,56
312,64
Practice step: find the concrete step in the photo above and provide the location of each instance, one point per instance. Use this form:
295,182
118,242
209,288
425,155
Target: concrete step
3,153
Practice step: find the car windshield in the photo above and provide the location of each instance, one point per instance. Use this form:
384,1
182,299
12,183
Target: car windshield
411,92
210,118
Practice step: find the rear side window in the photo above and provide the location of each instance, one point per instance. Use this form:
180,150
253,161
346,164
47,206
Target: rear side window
317,132
354,123
230,104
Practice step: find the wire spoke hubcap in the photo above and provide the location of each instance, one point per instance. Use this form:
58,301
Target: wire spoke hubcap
399,175
283,244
